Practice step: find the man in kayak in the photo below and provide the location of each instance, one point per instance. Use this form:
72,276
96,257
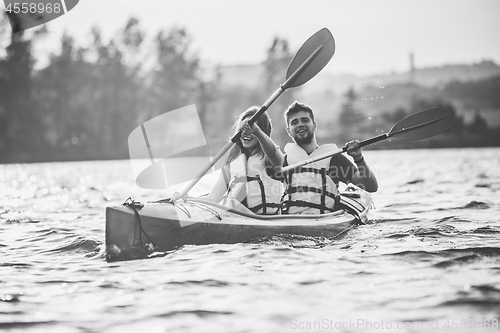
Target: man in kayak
313,189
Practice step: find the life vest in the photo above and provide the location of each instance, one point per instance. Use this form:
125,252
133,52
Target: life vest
251,187
309,189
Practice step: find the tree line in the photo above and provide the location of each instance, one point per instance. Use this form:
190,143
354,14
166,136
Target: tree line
85,102
354,121
87,99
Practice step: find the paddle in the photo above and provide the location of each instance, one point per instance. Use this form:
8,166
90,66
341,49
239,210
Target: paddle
420,125
309,60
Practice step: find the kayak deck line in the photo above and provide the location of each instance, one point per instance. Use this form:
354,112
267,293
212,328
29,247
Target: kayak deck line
136,232
289,218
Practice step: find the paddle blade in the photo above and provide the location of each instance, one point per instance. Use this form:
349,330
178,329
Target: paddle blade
322,39
423,124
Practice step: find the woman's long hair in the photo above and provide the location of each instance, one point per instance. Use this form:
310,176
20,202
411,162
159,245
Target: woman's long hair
264,122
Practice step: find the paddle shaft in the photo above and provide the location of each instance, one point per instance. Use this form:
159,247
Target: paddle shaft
367,142
334,152
287,84
230,143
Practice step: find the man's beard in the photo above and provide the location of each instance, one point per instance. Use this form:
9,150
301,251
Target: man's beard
305,139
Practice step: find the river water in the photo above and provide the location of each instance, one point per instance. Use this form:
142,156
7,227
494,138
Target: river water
430,260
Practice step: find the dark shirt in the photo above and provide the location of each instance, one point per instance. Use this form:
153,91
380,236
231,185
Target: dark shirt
341,169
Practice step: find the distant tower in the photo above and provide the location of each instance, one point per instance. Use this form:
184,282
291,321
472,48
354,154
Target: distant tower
412,67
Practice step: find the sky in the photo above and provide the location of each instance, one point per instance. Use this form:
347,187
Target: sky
372,36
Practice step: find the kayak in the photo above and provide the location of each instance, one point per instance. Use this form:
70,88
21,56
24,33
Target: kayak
135,231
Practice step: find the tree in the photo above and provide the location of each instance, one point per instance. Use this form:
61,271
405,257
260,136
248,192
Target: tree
479,124
18,117
350,114
54,93
116,92
176,79
420,104
276,64
90,98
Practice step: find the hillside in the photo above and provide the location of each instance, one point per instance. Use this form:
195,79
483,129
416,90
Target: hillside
439,76
251,75
383,93
247,76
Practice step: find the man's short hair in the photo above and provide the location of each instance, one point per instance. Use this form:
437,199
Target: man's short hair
297,107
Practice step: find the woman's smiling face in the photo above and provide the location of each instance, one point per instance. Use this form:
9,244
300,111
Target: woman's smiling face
248,141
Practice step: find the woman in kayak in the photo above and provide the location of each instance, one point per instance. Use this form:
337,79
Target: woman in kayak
245,181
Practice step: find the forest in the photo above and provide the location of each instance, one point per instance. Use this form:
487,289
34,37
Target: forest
85,101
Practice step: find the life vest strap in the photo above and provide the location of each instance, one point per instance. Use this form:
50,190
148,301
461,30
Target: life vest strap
300,203
264,206
301,189
246,179
306,170
324,192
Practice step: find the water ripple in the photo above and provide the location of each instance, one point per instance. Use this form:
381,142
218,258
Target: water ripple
197,313
431,251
